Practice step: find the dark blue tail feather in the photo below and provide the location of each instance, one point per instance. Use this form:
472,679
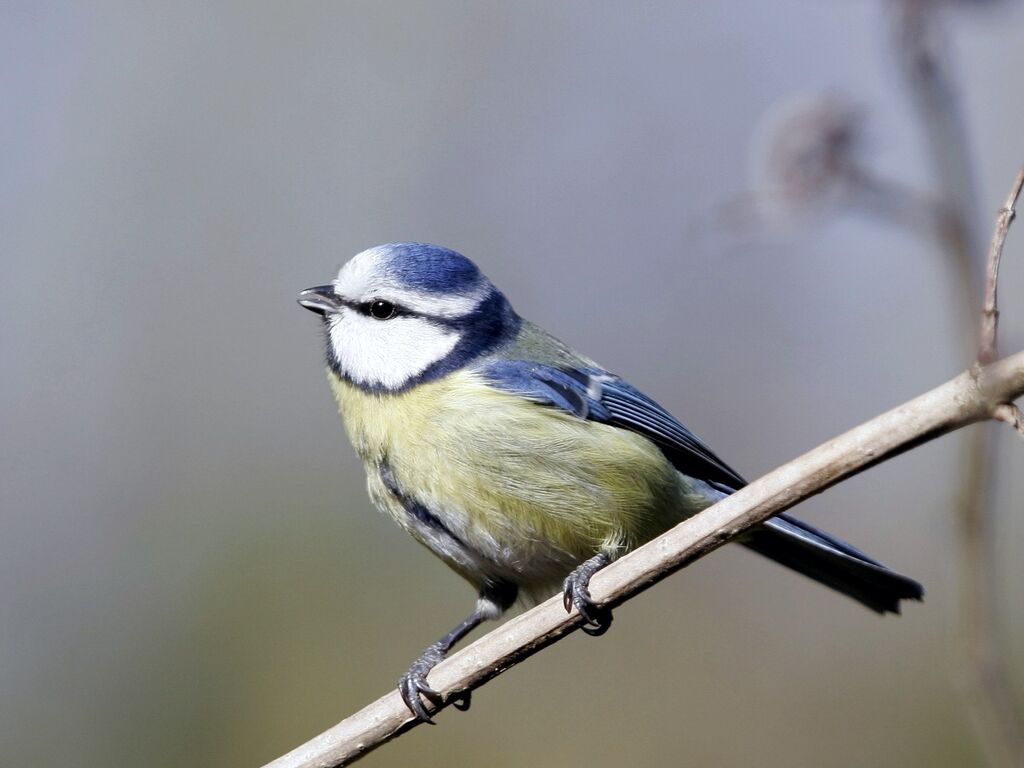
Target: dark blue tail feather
832,562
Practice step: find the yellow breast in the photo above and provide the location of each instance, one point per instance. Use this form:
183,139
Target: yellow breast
511,475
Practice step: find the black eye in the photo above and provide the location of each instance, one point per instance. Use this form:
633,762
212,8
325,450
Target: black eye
382,310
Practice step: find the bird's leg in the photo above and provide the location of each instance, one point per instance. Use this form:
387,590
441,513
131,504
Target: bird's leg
494,600
576,592
413,683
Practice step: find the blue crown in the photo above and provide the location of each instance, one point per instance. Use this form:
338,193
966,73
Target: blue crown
429,267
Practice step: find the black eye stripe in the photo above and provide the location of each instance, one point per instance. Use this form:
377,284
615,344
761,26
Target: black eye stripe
365,308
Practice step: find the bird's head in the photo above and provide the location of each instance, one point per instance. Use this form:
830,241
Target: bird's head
403,313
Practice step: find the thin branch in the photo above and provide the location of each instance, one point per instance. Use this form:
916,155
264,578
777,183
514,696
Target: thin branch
974,395
990,308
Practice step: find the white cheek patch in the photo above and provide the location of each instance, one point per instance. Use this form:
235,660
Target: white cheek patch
387,353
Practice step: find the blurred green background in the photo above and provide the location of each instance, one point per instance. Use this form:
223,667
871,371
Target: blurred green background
190,571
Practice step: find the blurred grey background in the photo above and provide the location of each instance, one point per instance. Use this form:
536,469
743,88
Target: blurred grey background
190,570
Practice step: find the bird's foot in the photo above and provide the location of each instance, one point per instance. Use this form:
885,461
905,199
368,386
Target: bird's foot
413,686
576,593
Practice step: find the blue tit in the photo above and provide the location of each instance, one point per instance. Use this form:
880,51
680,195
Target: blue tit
522,464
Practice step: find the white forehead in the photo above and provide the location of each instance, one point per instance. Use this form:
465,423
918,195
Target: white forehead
366,276
361,274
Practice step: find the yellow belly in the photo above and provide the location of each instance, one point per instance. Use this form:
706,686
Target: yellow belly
535,489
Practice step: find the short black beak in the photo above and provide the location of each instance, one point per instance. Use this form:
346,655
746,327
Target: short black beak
320,299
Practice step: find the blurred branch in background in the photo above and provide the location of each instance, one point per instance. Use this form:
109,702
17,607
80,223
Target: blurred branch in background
924,53
813,155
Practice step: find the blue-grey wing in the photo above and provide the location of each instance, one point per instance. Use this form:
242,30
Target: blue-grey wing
597,395
591,393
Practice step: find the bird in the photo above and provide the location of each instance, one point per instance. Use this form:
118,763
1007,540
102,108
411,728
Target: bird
524,465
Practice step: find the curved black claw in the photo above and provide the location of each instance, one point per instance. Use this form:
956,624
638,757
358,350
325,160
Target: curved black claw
461,701
598,622
413,684
576,594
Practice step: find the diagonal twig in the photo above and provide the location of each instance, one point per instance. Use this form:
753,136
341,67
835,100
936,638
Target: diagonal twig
970,397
